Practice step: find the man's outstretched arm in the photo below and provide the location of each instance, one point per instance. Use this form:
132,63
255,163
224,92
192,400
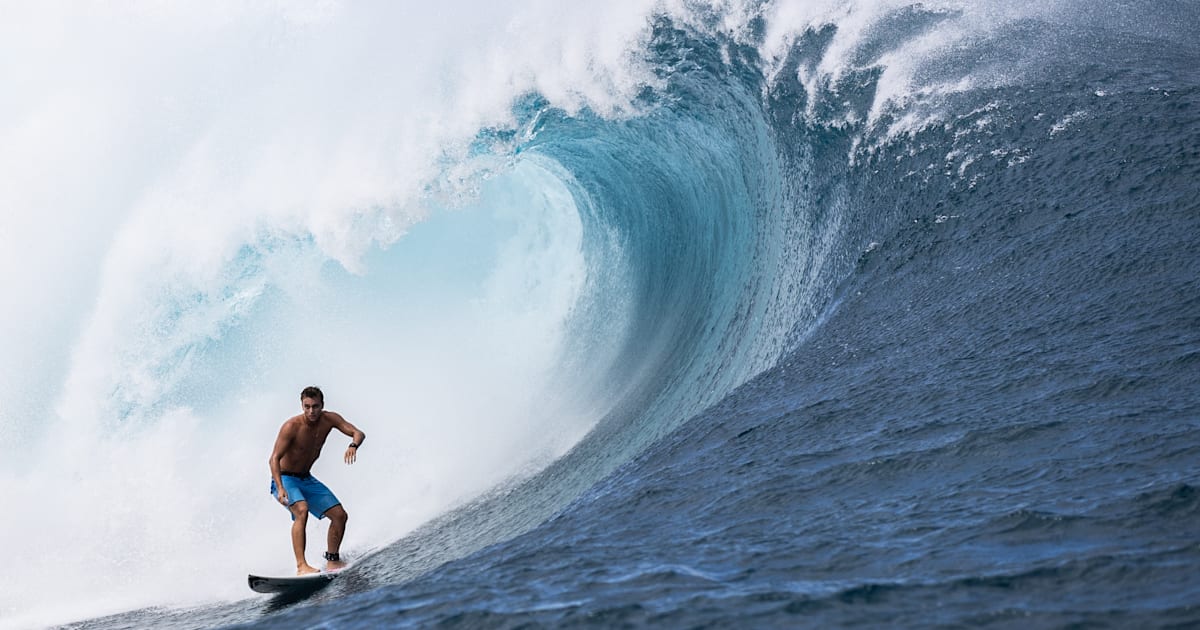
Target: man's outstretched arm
356,437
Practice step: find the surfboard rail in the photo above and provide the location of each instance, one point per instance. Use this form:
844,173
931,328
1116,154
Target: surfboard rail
290,584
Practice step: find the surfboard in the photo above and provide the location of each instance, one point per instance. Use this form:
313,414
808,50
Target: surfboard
291,583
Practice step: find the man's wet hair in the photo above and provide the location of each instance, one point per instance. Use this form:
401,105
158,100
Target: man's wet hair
314,392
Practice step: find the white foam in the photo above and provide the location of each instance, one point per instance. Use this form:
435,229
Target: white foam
916,74
194,190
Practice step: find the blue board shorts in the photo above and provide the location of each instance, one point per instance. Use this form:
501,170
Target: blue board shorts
306,488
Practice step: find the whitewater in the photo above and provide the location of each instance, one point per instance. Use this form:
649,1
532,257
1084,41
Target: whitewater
728,313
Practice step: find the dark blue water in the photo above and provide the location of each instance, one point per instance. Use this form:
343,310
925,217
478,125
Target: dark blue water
881,374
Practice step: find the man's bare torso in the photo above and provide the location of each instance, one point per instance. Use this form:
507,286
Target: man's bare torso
305,440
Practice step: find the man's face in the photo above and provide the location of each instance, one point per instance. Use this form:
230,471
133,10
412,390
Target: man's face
312,408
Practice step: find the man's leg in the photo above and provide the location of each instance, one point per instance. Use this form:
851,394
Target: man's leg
337,529
299,542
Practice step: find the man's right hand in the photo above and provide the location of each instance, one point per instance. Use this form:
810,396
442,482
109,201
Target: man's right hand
283,497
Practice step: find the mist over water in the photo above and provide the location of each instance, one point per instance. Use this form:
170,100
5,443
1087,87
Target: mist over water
500,237
204,208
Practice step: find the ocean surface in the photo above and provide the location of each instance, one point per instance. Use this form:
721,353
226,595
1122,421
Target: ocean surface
674,314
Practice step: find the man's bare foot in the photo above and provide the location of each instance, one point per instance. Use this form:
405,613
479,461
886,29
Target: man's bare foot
335,565
306,569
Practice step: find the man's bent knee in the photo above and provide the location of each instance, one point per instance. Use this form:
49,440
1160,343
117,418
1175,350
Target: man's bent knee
299,510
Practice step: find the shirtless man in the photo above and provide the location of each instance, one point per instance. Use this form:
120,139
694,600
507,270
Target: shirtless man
292,484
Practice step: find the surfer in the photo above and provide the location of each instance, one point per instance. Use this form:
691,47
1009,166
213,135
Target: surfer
292,484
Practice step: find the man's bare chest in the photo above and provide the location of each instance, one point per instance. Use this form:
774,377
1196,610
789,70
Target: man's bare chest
309,439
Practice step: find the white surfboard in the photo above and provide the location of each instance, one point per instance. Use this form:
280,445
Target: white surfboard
291,583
